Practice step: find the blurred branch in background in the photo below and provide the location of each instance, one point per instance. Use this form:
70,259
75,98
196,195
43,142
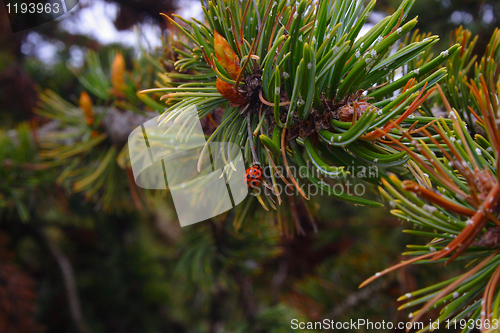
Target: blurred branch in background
92,252
68,278
41,57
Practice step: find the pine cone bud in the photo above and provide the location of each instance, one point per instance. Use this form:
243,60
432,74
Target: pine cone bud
86,105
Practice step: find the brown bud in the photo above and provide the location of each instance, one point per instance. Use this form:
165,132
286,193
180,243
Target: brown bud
86,105
489,239
346,112
484,181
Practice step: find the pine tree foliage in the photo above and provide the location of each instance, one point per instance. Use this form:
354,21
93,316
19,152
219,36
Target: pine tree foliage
88,140
454,85
296,85
24,175
454,195
299,76
208,266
